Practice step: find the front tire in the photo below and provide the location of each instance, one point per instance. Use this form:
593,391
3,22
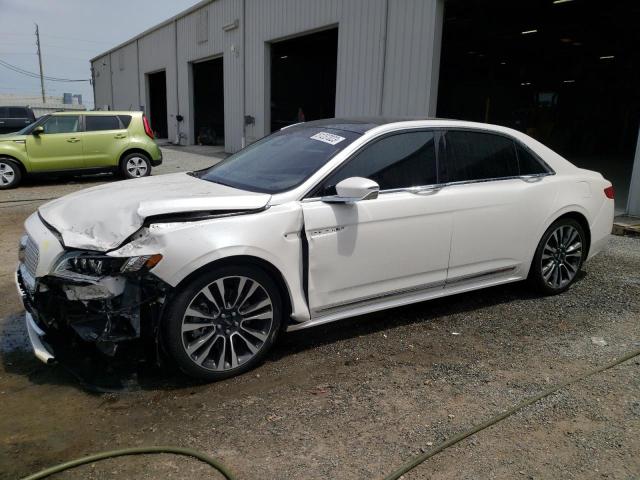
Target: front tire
10,174
223,322
135,165
559,257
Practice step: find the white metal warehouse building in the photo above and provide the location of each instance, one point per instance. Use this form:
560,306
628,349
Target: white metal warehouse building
233,71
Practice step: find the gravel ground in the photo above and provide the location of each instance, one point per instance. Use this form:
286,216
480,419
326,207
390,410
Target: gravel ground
357,398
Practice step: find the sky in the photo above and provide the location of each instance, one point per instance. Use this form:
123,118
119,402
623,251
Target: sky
71,33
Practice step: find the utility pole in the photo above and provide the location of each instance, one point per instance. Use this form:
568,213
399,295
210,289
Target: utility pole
40,62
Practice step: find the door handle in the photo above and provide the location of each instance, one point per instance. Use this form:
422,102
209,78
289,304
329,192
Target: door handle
73,140
120,135
425,190
531,178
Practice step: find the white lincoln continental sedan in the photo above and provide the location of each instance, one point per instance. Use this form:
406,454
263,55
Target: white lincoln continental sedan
320,221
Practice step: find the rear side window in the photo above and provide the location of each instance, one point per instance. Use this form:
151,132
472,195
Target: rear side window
61,124
3,112
125,119
95,123
478,156
18,112
528,164
398,161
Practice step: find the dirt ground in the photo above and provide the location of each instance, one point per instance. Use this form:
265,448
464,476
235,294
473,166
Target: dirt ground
355,399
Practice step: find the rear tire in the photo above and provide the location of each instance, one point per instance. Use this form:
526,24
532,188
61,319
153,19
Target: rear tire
240,310
10,174
135,165
559,257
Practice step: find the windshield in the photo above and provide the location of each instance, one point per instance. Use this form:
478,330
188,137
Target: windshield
29,128
281,161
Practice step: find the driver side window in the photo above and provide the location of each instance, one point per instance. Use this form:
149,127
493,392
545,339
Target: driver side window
62,124
398,161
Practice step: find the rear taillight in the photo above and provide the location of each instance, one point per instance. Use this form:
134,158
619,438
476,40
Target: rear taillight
147,127
610,192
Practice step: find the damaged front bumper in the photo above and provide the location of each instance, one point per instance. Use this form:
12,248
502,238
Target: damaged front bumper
70,310
40,350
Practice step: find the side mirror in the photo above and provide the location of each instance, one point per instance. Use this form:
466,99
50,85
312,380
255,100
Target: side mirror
354,189
38,130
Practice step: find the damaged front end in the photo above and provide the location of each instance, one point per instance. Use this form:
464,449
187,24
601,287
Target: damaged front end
95,298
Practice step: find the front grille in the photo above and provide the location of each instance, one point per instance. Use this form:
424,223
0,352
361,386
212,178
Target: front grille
31,256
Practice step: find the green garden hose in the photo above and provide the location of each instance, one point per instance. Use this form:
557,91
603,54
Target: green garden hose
187,452
408,466
417,460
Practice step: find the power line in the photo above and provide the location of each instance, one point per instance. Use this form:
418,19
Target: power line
35,75
26,72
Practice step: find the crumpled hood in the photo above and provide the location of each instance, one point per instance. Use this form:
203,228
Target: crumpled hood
101,218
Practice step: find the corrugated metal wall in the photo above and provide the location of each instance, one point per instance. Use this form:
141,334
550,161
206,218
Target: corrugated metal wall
124,78
102,81
157,51
219,43
388,57
413,53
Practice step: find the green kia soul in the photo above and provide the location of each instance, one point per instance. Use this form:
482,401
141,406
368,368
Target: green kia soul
80,142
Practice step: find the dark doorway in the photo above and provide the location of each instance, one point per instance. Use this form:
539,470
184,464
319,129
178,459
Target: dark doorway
158,103
303,78
208,102
565,72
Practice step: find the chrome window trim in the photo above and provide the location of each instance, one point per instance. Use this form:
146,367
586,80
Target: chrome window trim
438,186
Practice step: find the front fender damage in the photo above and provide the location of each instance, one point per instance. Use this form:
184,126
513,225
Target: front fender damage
104,311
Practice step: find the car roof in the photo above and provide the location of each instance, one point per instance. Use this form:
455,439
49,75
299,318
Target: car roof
97,112
353,124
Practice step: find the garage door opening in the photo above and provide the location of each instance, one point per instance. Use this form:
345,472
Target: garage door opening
158,103
208,102
303,78
566,73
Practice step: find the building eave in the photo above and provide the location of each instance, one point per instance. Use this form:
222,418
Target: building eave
180,15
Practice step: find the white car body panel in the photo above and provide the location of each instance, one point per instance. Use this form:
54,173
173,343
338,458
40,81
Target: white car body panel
511,211
272,236
370,248
397,249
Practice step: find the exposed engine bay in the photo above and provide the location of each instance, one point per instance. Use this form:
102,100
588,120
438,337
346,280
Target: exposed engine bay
102,300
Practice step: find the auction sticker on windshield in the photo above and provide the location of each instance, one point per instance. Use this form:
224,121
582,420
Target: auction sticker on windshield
329,138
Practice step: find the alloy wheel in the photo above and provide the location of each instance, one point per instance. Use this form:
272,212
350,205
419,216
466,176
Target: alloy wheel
561,256
7,174
137,167
227,323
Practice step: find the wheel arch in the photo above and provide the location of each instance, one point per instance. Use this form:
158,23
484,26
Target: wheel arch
21,165
582,220
130,150
243,260
574,212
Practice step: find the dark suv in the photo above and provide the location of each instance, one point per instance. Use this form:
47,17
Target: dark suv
13,119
